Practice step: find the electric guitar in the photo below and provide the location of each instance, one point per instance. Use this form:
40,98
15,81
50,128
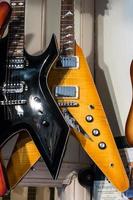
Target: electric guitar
129,122
73,87
26,102
5,12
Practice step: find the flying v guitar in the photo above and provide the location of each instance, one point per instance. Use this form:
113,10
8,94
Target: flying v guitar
73,87
25,99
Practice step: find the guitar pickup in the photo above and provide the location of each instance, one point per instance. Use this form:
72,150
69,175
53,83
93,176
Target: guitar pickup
14,88
67,62
62,92
16,63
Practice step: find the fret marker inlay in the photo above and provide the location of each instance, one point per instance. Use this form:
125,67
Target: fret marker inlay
67,28
69,13
68,35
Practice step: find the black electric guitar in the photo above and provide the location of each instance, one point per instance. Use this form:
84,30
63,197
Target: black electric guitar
25,100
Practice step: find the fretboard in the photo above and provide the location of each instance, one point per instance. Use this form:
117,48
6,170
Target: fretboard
16,29
67,41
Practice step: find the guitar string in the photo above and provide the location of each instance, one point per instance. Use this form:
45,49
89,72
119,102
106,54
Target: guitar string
14,96
7,76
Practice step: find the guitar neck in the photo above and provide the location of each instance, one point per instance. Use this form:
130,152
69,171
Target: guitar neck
67,42
16,29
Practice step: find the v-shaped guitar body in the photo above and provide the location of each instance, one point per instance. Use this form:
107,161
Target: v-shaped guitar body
98,141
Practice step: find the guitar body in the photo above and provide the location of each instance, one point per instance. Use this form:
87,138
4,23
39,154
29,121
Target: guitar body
26,104
98,141
25,155
129,122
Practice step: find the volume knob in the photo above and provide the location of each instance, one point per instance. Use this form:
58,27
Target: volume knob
89,118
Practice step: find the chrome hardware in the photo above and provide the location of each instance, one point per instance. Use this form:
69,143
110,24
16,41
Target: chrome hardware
102,145
13,87
66,91
13,102
68,104
89,118
16,63
69,62
95,132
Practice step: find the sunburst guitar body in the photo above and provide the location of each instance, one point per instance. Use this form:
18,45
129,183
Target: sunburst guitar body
72,85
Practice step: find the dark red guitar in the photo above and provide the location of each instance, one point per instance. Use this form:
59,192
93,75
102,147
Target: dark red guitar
5,12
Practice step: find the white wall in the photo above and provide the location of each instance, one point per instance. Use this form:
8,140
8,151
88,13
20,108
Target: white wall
114,52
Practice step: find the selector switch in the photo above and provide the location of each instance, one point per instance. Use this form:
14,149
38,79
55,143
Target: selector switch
45,123
89,118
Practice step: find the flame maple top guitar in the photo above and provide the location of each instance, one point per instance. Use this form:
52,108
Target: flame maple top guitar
73,87
5,12
129,122
26,102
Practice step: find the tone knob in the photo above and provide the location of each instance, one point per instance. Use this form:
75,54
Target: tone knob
89,118
95,132
102,145
45,123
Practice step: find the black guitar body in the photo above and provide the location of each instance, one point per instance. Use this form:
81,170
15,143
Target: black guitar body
26,104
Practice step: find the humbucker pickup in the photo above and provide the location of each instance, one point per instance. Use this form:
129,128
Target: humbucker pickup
66,92
14,87
16,63
68,62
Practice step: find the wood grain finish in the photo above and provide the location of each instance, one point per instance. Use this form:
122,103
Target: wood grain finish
108,159
129,122
25,155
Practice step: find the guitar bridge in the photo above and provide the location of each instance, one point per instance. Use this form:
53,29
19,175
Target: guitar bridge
12,102
68,104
